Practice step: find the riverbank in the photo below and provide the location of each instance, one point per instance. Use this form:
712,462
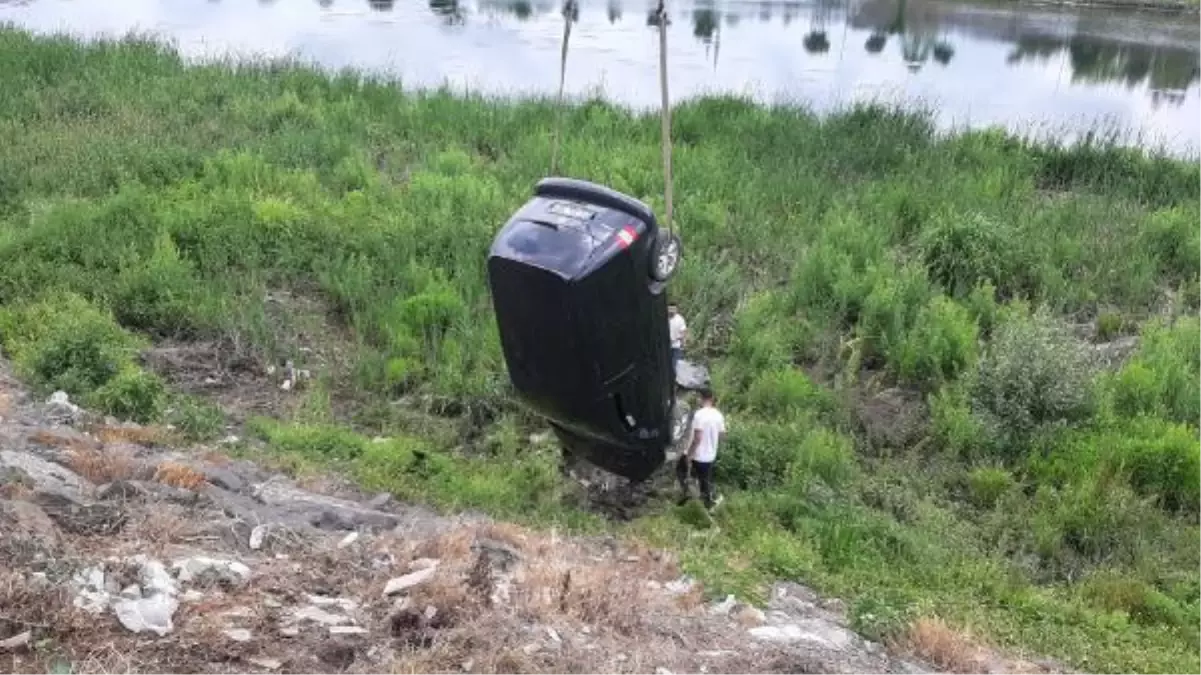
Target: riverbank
960,372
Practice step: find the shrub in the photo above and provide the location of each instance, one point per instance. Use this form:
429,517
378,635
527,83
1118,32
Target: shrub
1161,378
941,344
1113,592
762,456
988,485
1109,325
160,295
1091,522
962,251
195,418
1034,373
891,308
883,615
952,423
64,342
1172,237
132,394
786,392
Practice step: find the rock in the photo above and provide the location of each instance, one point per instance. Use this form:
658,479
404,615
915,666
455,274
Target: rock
221,571
724,607
238,634
163,491
59,408
492,573
400,584
44,474
322,511
318,615
16,642
264,662
380,501
662,671
192,595
748,616
348,540
690,375
289,631
347,630
224,478
345,604
229,440
147,614
256,537
26,518
680,586
424,563
815,632
90,593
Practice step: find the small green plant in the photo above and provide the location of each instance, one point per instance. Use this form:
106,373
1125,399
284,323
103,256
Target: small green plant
1109,325
195,418
884,615
133,394
988,485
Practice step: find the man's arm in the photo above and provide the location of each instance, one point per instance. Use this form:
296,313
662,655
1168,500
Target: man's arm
696,440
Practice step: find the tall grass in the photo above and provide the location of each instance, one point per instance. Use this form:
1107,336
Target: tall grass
1043,496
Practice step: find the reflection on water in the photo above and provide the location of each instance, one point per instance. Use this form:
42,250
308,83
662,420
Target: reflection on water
976,61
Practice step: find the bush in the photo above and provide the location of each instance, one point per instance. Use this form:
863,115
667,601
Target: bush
988,485
1096,521
762,456
162,294
133,394
883,615
962,251
952,423
1159,459
1172,237
1033,374
1161,378
195,418
65,343
941,344
1146,605
786,392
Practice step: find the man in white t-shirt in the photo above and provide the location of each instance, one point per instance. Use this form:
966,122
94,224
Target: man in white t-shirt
708,430
678,331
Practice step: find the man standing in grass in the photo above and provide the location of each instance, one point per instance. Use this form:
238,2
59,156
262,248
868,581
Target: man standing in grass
708,430
678,331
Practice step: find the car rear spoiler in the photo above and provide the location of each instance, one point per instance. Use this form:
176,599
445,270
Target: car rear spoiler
582,190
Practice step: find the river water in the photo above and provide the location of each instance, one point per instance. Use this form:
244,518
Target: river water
1033,69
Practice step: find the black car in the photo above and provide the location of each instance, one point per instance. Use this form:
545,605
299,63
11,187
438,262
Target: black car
578,281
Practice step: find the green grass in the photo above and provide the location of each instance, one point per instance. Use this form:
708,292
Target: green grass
1045,501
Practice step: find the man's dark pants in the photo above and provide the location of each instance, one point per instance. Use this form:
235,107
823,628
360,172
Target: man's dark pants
702,471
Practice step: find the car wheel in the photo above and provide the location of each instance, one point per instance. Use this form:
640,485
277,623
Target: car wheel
665,256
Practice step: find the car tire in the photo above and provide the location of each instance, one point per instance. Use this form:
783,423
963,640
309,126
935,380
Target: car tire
665,256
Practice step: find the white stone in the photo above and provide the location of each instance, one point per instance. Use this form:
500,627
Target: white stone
238,634
813,631
264,662
231,570
347,630
318,615
348,540
147,614
256,537
401,584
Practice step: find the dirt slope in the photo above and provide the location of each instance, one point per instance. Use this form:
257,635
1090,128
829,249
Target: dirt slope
121,554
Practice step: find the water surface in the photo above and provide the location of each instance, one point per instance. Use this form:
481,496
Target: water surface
1060,71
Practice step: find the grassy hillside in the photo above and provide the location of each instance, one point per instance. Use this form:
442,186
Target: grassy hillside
909,334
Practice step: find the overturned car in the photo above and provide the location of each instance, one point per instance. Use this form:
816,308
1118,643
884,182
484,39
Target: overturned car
578,279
